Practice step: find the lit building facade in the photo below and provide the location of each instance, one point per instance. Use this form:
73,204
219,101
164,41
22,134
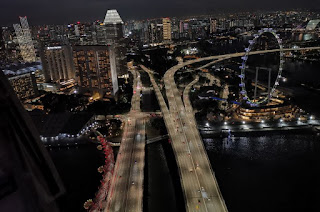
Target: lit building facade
113,30
95,69
25,41
155,32
57,63
114,26
24,85
213,26
166,29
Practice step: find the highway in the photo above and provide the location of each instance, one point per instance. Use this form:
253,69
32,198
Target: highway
126,192
199,185
196,197
186,127
240,54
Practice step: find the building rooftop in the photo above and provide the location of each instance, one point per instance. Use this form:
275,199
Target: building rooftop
112,17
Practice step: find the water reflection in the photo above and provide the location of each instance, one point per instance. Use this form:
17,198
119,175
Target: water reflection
266,173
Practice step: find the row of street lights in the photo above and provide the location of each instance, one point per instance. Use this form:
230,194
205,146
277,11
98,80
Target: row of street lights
312,117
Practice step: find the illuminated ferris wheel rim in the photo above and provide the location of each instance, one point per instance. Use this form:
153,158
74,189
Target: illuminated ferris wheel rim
243,67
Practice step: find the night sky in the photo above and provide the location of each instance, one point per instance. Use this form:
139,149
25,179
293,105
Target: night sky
67,11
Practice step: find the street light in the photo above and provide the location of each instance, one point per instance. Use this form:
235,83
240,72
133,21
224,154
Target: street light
225,123
281,120
262,121
207,124
243,122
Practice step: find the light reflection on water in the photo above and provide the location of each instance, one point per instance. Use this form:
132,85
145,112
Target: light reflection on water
267,170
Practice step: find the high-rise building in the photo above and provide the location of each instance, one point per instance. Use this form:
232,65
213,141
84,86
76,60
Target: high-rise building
181,27
24,85
114,26
166,29
175,28
121,58
113,30
155,32
2,47
95,69
25,40
28,178
213,26
101,34
57,63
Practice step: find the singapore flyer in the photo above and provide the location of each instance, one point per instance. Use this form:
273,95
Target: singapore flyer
257,102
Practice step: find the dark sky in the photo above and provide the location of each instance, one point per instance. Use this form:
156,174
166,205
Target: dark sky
67,11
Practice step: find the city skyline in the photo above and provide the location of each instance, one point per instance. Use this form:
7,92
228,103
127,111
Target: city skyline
159,106
58,12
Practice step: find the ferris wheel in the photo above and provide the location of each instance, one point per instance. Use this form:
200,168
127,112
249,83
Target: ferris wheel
253,102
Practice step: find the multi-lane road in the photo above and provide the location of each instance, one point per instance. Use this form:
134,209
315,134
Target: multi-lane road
202,192
196,196
126,192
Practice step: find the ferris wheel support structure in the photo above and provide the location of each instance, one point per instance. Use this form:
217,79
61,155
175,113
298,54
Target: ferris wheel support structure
254,102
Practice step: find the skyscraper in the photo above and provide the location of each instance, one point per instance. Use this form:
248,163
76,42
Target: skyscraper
95,69
213,26
114,26
166,29
57,63
155,32
25,41
114,30
101,34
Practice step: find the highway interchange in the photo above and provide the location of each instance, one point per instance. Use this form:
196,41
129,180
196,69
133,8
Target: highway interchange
199,185
200,188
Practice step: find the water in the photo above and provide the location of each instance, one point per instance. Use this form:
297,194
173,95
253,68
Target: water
267,173
273,172
149,102
77,167
159,193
